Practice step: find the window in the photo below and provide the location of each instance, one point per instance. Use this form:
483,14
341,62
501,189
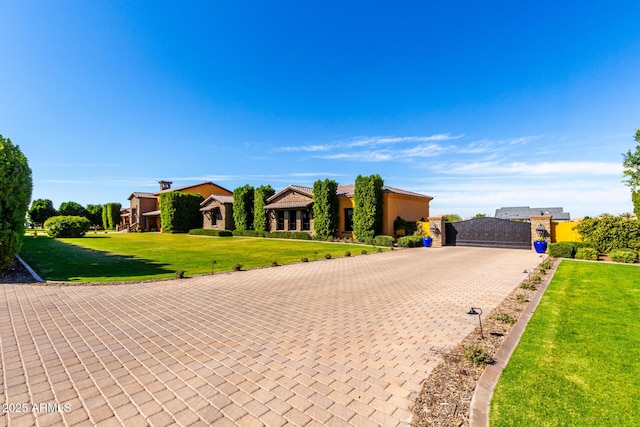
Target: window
292,220
306,220
348,219
280,224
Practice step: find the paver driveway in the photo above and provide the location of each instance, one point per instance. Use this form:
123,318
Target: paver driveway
342,342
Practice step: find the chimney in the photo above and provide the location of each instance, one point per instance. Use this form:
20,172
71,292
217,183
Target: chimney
165,185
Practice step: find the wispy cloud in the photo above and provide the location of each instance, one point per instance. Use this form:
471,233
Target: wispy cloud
550,169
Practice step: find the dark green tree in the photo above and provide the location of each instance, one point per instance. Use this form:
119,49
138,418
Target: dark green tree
15,195
72,209
325,208
261,195
40,211
111,215
94,214
367,209
631,173
243,207
452,217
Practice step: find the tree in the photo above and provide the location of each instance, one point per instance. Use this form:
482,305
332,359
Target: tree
41,210
243,207
631,173
452,217
325,208
111,215
94,214
367,209
15,194
261,194
72,209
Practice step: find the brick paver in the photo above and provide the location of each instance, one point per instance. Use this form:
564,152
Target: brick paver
339,342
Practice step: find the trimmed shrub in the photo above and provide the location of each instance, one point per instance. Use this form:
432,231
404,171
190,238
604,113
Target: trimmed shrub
15,194
327,256
383,240
410,241
587,253
304,259
367,209
325,208
299,235
207,232
237,267
180,212
67,226
625,255
562,250
347,254
249,233
111,215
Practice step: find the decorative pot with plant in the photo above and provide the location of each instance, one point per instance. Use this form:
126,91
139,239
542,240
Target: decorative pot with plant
426,238
540,245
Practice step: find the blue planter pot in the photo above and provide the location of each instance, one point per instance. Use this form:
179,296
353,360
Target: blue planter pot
426,241
540,246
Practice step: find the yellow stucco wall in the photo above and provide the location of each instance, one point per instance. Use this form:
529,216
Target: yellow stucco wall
564,232
344,202
406,207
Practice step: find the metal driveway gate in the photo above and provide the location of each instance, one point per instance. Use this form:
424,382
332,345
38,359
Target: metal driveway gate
489,232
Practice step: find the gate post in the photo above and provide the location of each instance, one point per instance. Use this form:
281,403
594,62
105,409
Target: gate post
437,231
537,221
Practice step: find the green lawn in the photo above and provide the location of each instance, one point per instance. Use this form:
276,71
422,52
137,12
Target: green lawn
577,363
139,256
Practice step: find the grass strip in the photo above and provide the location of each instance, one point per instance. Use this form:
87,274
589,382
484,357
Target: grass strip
577,362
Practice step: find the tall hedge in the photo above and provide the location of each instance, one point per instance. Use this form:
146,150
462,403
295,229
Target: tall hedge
180,212
243,207
15,194
610,232
261,194
111,215
367,209
325,208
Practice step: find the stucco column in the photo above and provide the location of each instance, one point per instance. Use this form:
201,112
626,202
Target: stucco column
437,233
537,221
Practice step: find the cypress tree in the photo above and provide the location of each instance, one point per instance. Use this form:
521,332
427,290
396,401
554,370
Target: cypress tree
325,208
261,195
367,210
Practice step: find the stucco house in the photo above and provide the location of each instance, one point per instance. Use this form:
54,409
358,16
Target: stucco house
291,209
144,210
217,212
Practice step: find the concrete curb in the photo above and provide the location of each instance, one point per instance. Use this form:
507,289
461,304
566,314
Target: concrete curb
481,400
30,270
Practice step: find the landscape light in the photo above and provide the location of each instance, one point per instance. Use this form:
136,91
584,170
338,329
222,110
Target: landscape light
474,312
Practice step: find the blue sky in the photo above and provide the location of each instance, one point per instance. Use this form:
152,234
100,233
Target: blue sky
478,104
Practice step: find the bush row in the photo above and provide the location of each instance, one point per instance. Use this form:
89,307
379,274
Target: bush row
410,241
567,249
299,235
625,255
207,232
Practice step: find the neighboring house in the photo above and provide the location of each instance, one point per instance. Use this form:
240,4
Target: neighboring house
217,212
292,209
523,213
144,208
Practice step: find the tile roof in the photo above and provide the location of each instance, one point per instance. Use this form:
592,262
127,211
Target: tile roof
219,198
289,205
184,187
151,213
347,190
141,195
